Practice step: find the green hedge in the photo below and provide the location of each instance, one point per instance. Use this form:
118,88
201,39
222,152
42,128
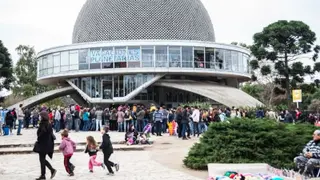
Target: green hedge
250,141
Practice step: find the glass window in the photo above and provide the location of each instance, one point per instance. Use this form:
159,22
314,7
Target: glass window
219,54
174,57
147,56
246,63
120,57
228,60
161,56
65,61
96,87
187,57
132,82
234,57
240,62
83,59
39,67
50,64
86,85
74,60
118,86
44,65
210,59
134,57
199,57
94,57
56,63
107,87
107,58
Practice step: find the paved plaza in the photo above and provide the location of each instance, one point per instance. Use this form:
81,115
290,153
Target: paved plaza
29,136
134,165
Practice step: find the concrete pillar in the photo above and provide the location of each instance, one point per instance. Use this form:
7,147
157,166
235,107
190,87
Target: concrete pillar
233,82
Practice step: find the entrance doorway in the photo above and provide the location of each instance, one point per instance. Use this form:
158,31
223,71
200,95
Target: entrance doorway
107,89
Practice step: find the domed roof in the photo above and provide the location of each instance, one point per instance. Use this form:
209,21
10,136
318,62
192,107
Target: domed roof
111,20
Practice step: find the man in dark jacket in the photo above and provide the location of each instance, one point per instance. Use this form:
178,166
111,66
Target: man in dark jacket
107,150
185,123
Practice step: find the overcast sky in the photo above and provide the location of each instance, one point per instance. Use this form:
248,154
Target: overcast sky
48,23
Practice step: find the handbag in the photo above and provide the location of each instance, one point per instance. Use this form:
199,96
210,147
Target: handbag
36,147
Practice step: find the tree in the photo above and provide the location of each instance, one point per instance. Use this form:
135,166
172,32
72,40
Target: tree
26,73
281,44
6,70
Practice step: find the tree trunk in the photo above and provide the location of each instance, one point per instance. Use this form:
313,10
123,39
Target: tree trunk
287,79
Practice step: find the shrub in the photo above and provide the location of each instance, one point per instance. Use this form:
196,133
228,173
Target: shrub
249,141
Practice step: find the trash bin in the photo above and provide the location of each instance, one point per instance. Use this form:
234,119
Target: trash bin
6,130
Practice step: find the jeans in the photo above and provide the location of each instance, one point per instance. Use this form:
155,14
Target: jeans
306,165
164,125
20,121
107,162
57,125
126,125
26,122
98,124
145,122
35,122
134,122
191,128
203,127
183,129
158,128
67,164
43,164
121,126
93,162
76,124
140,125
86,125
196,128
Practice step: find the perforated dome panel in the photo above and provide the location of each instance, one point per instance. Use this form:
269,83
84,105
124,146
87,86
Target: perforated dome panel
110,20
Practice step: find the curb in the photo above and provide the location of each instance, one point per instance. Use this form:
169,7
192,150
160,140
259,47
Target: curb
80,149
57,144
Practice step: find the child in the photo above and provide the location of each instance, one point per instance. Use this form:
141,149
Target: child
143,139
91,149
67,147
107,150
147,129
129,138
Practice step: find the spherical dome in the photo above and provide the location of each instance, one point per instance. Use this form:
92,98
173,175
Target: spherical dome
111,20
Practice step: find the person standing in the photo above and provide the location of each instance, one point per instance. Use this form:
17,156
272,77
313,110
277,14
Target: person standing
98,115
27,118
20,119
35,118
107,149
45,145
157,117
140,119
185,122
57,118
120,120
164,119
196,118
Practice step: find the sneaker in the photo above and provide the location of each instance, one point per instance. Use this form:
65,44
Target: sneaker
103,166
110,174
72,167
19,134
91,171
41,178
53,173
117,167
71,174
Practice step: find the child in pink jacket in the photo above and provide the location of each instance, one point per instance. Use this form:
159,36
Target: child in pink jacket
67,147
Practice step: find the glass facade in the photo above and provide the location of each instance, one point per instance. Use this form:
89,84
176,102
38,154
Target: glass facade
108,87
144,57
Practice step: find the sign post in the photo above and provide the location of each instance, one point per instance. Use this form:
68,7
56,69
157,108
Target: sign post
297,96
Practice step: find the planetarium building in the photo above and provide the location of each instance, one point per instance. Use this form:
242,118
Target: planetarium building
145,51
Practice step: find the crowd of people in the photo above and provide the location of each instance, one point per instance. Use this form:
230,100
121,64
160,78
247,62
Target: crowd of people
180,121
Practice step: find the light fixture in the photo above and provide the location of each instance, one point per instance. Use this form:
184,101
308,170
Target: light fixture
1,65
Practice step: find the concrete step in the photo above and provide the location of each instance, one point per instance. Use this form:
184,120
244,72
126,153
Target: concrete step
29,150
19,145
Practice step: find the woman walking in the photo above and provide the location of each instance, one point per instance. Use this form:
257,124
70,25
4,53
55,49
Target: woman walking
45,145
